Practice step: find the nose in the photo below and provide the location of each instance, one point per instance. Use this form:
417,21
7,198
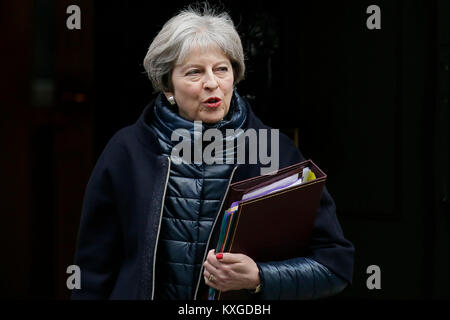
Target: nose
210,82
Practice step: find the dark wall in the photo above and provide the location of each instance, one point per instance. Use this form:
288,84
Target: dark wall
370,107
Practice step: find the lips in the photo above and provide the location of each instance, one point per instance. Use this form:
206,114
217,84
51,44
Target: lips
213,102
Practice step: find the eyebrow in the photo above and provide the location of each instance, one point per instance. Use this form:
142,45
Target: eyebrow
194,65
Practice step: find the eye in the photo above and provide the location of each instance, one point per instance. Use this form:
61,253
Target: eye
222,69
193,72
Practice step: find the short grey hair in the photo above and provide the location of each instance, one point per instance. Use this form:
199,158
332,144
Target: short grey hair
192,27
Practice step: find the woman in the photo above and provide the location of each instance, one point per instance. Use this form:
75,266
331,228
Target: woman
146,217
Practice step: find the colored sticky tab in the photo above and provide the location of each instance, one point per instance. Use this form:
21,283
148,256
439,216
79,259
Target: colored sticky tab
308,175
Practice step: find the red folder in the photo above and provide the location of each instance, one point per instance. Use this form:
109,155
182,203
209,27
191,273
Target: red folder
273,227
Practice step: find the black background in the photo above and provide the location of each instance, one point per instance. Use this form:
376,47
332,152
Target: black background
370,107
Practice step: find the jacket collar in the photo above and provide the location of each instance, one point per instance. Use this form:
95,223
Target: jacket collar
166,119
148,137
145,133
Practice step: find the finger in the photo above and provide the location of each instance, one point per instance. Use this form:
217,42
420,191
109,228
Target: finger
212,260
231,258
211,283
211,252
209,267
206,274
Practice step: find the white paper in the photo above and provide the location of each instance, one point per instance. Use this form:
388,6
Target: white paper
287,182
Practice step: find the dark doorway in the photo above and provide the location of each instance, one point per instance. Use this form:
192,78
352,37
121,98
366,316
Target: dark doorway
370,107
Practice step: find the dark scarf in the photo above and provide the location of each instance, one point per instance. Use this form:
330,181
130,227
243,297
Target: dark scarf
167,120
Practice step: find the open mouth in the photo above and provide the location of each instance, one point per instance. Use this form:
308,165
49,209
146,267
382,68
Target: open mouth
213,102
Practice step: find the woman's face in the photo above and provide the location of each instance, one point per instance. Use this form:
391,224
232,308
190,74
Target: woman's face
203,85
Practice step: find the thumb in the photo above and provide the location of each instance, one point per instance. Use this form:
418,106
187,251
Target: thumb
229,257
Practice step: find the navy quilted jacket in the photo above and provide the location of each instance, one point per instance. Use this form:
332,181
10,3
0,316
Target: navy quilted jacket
193,196
122,213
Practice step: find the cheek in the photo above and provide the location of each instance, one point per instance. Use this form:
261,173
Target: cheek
228,91
228,83
189,91
187,96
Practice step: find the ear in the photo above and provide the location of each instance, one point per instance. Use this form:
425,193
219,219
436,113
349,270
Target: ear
170,97
168,94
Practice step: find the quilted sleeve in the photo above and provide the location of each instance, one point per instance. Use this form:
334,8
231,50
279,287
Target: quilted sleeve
299,278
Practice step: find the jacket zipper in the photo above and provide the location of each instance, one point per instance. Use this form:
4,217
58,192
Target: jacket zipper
210,233
159,228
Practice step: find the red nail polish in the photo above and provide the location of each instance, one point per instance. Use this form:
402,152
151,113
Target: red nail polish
219,256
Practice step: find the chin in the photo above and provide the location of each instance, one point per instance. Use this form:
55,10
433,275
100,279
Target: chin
212,118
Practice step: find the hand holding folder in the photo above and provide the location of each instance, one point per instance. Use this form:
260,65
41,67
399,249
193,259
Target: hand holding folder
270,217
